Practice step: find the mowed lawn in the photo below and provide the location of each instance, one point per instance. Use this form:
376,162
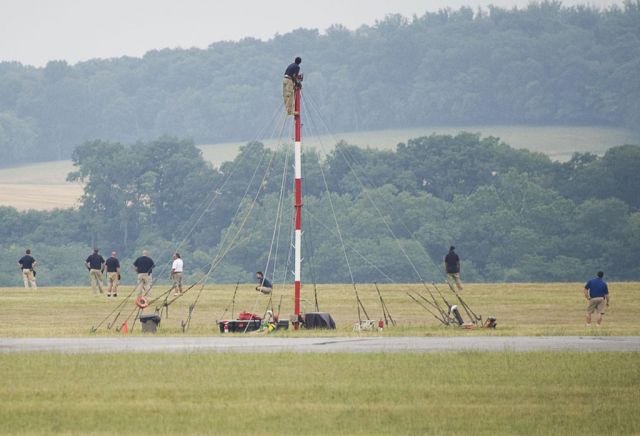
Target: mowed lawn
558,142
40,186
286,393
440,394
520,308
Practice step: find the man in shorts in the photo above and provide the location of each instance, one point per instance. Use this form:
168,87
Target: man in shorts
596,292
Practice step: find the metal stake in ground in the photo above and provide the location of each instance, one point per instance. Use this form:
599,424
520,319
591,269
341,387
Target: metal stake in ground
279,305
444,315
443,321
360,305
435,304
475,318
121,304
315,296
385,309
233,303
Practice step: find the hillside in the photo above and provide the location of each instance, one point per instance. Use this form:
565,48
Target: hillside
515,215
542,65
43,186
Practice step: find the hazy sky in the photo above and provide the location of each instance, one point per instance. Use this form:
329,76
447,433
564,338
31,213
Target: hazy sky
36,31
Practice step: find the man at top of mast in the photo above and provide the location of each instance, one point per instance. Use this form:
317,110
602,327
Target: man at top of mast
291,78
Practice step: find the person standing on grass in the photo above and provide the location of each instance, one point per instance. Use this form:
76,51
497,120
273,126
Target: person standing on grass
27,264
596,292
452,266
113,274
176,273
144,267
95,265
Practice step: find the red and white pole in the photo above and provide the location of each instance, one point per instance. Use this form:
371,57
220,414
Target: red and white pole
298,199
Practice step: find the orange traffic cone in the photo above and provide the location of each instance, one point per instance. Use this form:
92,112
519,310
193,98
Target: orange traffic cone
125,328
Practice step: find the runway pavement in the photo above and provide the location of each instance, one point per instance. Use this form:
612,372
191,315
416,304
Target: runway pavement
378,344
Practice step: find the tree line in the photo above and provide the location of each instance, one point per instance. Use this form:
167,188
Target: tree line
514,215
543,64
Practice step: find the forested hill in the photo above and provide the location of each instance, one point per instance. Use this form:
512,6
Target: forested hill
545,64
514,215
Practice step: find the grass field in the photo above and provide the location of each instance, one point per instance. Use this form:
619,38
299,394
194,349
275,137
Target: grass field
446,393
558,142
43,186
521,309
226,393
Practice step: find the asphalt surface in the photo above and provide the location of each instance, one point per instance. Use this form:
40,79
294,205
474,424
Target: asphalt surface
243,344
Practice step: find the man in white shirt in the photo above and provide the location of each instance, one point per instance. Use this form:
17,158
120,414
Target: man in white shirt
176,274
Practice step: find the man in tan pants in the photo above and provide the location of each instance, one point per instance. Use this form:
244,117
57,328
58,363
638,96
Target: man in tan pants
144,267
27,264
291,76
95,265
113,274
176,273
452,267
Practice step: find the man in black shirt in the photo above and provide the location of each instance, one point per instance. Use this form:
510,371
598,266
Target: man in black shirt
452,266
27,264
264,285
113,274
95,265
291,77
144,266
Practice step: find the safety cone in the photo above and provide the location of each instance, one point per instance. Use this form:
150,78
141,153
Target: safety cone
125,327
380,325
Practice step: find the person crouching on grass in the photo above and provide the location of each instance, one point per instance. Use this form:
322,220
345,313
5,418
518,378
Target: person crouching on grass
264,285
596,292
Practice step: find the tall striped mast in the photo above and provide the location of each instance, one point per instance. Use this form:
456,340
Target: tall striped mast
298,197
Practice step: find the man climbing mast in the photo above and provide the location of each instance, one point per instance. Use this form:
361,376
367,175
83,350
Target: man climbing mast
292,78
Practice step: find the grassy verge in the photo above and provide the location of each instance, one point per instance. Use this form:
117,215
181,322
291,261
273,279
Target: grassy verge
521,309
463,393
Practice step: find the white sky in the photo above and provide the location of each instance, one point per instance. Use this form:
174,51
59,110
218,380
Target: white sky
36,31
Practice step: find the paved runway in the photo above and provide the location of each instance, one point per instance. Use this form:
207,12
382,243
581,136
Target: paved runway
267,344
